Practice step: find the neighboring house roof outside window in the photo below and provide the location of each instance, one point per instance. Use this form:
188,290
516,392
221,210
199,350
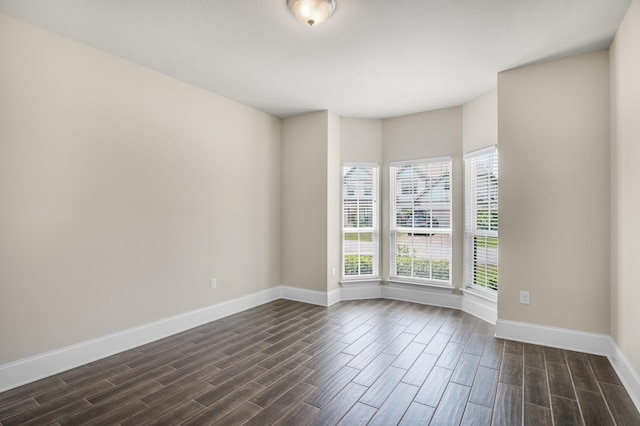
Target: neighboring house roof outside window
359,184
439,190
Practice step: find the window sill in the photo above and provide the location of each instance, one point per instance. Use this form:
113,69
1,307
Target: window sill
488,296
361,282
424,284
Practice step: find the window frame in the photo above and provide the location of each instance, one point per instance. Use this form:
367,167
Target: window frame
374,229
471,228
395,228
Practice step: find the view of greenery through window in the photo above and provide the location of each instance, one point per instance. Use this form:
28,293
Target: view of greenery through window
360,220
420,230
421,226
481,227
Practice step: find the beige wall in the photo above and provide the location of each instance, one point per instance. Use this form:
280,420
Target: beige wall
123,192
480,122
334,202
554,193
418,136
625,177
305,201
361,140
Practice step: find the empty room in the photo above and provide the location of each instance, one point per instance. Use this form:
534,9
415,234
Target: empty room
319,212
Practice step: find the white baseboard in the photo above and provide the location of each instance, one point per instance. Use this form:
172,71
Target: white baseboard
480,307
580,341
309,296
37,367
333,297
629,377
40,366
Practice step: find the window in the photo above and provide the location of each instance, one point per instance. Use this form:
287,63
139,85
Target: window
481,219
421,221
359,221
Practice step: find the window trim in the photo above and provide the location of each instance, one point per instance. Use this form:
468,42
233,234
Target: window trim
470,231
394,229
374,229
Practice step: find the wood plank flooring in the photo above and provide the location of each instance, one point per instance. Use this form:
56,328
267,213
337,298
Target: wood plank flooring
375,362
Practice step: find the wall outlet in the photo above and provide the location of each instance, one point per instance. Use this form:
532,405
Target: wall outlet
214,283
333,271
524,297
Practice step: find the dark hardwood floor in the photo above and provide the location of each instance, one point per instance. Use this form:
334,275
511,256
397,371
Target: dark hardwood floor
375,362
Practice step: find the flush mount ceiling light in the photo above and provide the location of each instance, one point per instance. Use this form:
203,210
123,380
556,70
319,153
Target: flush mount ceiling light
312,12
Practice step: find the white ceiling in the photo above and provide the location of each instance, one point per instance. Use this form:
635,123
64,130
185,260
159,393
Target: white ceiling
373,58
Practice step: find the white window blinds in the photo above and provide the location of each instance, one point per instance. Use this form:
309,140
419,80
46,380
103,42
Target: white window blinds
360,221
481,219
421,221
